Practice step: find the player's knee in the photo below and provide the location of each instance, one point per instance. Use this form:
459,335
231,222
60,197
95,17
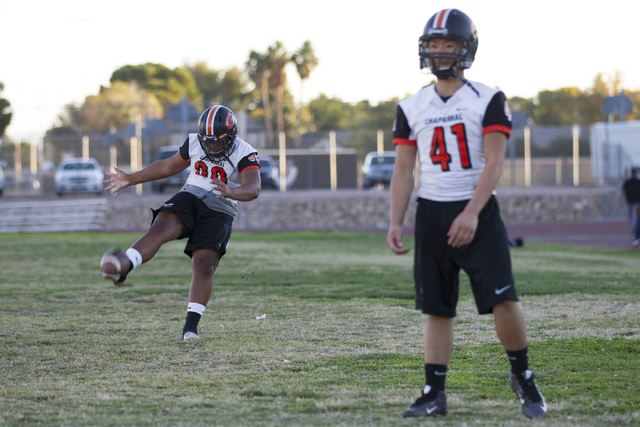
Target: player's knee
205,262
508,309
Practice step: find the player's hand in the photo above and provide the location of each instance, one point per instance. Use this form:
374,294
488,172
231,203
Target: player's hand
394,240
117,181
224,189
462,230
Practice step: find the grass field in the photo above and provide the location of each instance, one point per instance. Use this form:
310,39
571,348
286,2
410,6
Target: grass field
340,345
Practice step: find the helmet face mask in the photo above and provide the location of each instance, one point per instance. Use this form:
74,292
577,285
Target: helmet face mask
213,146
217,131
442,63
449,24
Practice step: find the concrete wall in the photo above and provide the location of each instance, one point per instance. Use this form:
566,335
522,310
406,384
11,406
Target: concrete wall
359,209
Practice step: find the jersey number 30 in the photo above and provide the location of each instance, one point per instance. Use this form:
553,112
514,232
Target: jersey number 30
439,147
216,171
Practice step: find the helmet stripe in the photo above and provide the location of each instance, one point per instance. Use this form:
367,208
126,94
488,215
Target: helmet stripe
441,19
212,114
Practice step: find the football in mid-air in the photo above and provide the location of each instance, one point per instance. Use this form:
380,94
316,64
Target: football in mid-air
114,266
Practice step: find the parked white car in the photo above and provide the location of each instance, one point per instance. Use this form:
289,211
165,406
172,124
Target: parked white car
79,176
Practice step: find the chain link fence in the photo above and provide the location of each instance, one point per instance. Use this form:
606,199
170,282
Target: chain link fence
536,156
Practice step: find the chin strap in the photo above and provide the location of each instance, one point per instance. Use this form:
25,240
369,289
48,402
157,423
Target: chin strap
466,82
460,79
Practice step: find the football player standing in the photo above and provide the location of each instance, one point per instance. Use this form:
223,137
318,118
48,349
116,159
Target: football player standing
225,170
460,130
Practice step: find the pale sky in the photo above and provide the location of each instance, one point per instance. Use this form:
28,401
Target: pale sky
58,52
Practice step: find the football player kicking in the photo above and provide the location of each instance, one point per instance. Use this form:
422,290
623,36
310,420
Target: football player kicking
460,128
225,169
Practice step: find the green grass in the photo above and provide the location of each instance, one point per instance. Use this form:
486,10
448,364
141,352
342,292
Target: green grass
340,345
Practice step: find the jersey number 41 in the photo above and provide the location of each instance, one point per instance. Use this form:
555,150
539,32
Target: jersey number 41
439,152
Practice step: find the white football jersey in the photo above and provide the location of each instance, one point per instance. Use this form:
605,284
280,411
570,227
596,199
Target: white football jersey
449,136
228,170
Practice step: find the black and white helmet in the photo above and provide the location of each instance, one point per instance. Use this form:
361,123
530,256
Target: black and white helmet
449,24
216,125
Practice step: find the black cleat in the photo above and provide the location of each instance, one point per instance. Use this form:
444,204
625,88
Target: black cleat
531,400
115,266
516,242
429,404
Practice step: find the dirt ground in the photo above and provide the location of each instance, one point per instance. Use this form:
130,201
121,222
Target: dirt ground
614,234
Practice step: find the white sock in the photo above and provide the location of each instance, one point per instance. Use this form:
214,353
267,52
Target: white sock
196,308
134,256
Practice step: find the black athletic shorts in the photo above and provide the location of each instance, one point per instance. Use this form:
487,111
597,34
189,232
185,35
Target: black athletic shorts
204,227
486,260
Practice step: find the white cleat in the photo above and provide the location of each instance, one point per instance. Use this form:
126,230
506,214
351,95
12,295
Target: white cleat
190,336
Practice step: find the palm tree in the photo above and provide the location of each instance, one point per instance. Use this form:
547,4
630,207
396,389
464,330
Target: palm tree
258,70
277,60
305,61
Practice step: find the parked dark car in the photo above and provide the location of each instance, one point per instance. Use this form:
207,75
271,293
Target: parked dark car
177,179
266,171
378,168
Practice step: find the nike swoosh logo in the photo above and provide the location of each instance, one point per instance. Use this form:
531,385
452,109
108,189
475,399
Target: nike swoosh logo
501,290
431,410
440,374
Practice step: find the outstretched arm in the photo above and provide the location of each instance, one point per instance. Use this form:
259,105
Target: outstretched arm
156,170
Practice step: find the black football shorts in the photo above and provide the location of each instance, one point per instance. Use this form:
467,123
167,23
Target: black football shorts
486,260
204,227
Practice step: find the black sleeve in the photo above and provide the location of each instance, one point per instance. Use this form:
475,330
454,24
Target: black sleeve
401,129
497,113
250,161
184,151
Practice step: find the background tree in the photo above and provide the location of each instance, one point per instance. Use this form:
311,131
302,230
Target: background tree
607,86
116,106
5,117
367,119
305,61
226,87
330,113
277,60
233,86
208,81
604,87
524,105
67,122
363,119
560,107
165,84
570,105
258,71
